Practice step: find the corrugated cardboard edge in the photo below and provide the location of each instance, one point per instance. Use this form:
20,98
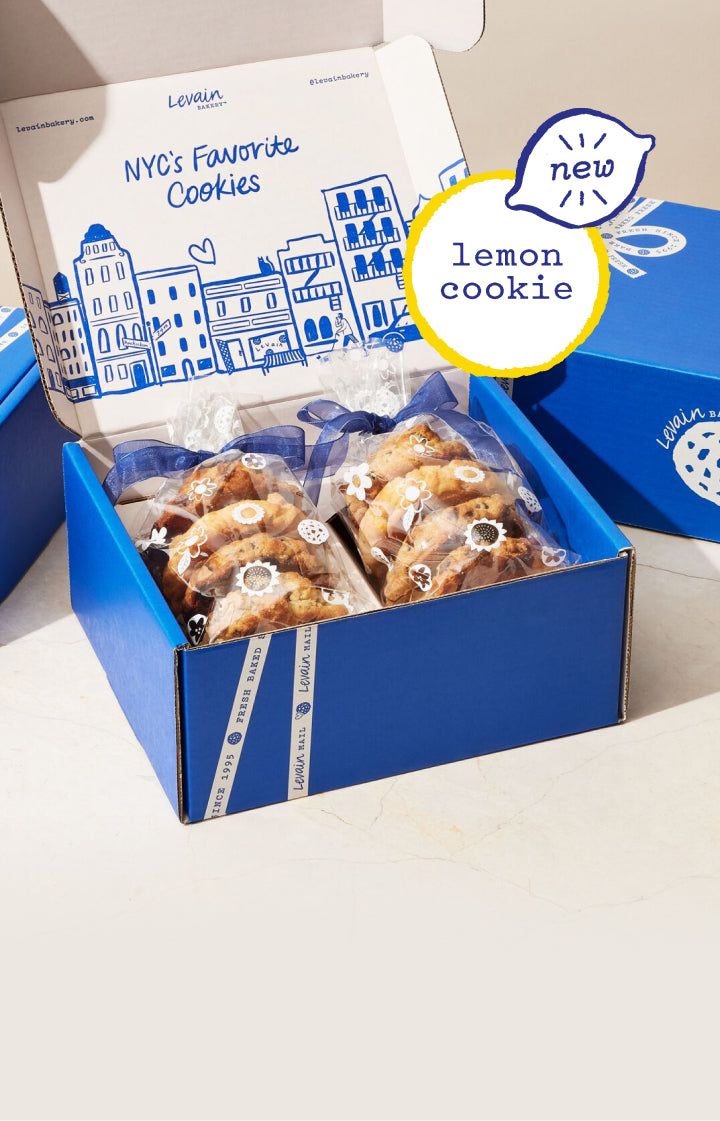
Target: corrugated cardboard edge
179,740
631,555
450,110
31,329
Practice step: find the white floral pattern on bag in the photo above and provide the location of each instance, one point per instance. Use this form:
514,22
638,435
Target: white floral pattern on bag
195,542
193,549
313,531
484,535
223,421
193,438
469,474
358,481
156,540
379,555
552,558
532,503
419,444
257,578
247,513
413,500
416,493
421,575
204,488
196,628
335,598
254,462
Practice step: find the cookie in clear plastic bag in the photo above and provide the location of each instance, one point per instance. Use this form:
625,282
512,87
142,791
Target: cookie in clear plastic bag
430,517
218,482
237,548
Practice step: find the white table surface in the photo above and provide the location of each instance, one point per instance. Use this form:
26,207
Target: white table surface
533,933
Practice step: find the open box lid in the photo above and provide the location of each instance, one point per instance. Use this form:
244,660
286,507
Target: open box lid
52,45
316,271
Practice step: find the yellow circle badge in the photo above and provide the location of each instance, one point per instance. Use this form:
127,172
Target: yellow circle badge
498,291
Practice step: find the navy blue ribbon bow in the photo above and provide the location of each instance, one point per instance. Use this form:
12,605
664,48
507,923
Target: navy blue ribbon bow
434,397
139,460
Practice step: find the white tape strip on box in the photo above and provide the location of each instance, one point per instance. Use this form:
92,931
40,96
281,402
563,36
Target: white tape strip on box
13,335
237,726
302,711
241,714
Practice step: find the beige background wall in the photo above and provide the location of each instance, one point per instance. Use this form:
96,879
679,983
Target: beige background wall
653,63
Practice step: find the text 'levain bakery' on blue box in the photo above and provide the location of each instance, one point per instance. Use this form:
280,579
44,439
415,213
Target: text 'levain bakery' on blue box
635,411
220,214
31,492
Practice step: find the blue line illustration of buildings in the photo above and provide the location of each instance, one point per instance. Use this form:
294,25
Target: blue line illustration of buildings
110,298
371,238
251,324
176,322
72,343
452,174
318,293
127,330
39,319
448,177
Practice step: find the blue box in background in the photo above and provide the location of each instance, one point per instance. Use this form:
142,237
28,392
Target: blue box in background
31,440
635,411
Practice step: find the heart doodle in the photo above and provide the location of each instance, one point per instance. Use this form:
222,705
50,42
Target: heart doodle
204,253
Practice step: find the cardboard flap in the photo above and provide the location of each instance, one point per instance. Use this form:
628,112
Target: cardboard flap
48,46
251,219
39,318
266,283
453,26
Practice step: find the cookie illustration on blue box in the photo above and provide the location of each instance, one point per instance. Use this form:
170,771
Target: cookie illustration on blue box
696,456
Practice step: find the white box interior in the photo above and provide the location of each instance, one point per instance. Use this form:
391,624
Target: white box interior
57,183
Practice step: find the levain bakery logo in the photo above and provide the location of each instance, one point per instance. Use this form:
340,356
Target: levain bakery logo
196,99
694,437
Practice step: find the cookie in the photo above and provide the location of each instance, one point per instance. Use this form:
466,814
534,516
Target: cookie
268,601
482,524
403,451
398,454
404,501
464,569
220,484
289,554
191,549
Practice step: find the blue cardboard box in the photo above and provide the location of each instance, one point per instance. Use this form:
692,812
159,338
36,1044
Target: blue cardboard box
161,278
635,411
444,680
31,492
